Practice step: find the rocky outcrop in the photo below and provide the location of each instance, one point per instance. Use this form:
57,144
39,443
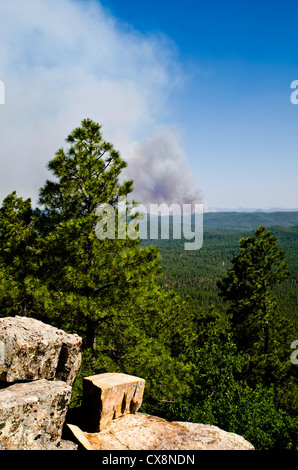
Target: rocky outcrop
32,350
38,364
112,402
144,432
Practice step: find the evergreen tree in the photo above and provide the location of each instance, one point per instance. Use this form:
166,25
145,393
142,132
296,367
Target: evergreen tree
248,287
105,289
18,255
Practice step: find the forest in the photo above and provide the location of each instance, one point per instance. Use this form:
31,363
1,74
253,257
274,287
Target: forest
210,330
194,274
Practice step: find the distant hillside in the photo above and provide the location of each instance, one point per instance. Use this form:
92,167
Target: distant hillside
238,221
226,222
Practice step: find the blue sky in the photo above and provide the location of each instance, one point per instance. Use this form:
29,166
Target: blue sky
195,94
239,127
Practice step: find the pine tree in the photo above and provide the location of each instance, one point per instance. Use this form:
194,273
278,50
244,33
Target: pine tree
105,289
18,255
248,288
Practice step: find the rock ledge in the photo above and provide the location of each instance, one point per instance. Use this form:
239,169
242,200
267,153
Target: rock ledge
145,432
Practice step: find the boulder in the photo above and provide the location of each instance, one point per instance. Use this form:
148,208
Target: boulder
108,396
145,432
32,414
33,350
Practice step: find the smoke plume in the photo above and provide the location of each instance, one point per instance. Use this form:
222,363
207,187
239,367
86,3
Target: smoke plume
160,171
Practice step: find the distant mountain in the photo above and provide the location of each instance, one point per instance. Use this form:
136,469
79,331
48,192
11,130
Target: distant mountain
245,209
238,221
223,222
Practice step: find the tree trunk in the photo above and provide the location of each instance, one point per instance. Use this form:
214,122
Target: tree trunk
91,334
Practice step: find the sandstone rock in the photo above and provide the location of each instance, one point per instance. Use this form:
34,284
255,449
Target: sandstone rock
144,432
108,396
215,438
32,350
32,414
